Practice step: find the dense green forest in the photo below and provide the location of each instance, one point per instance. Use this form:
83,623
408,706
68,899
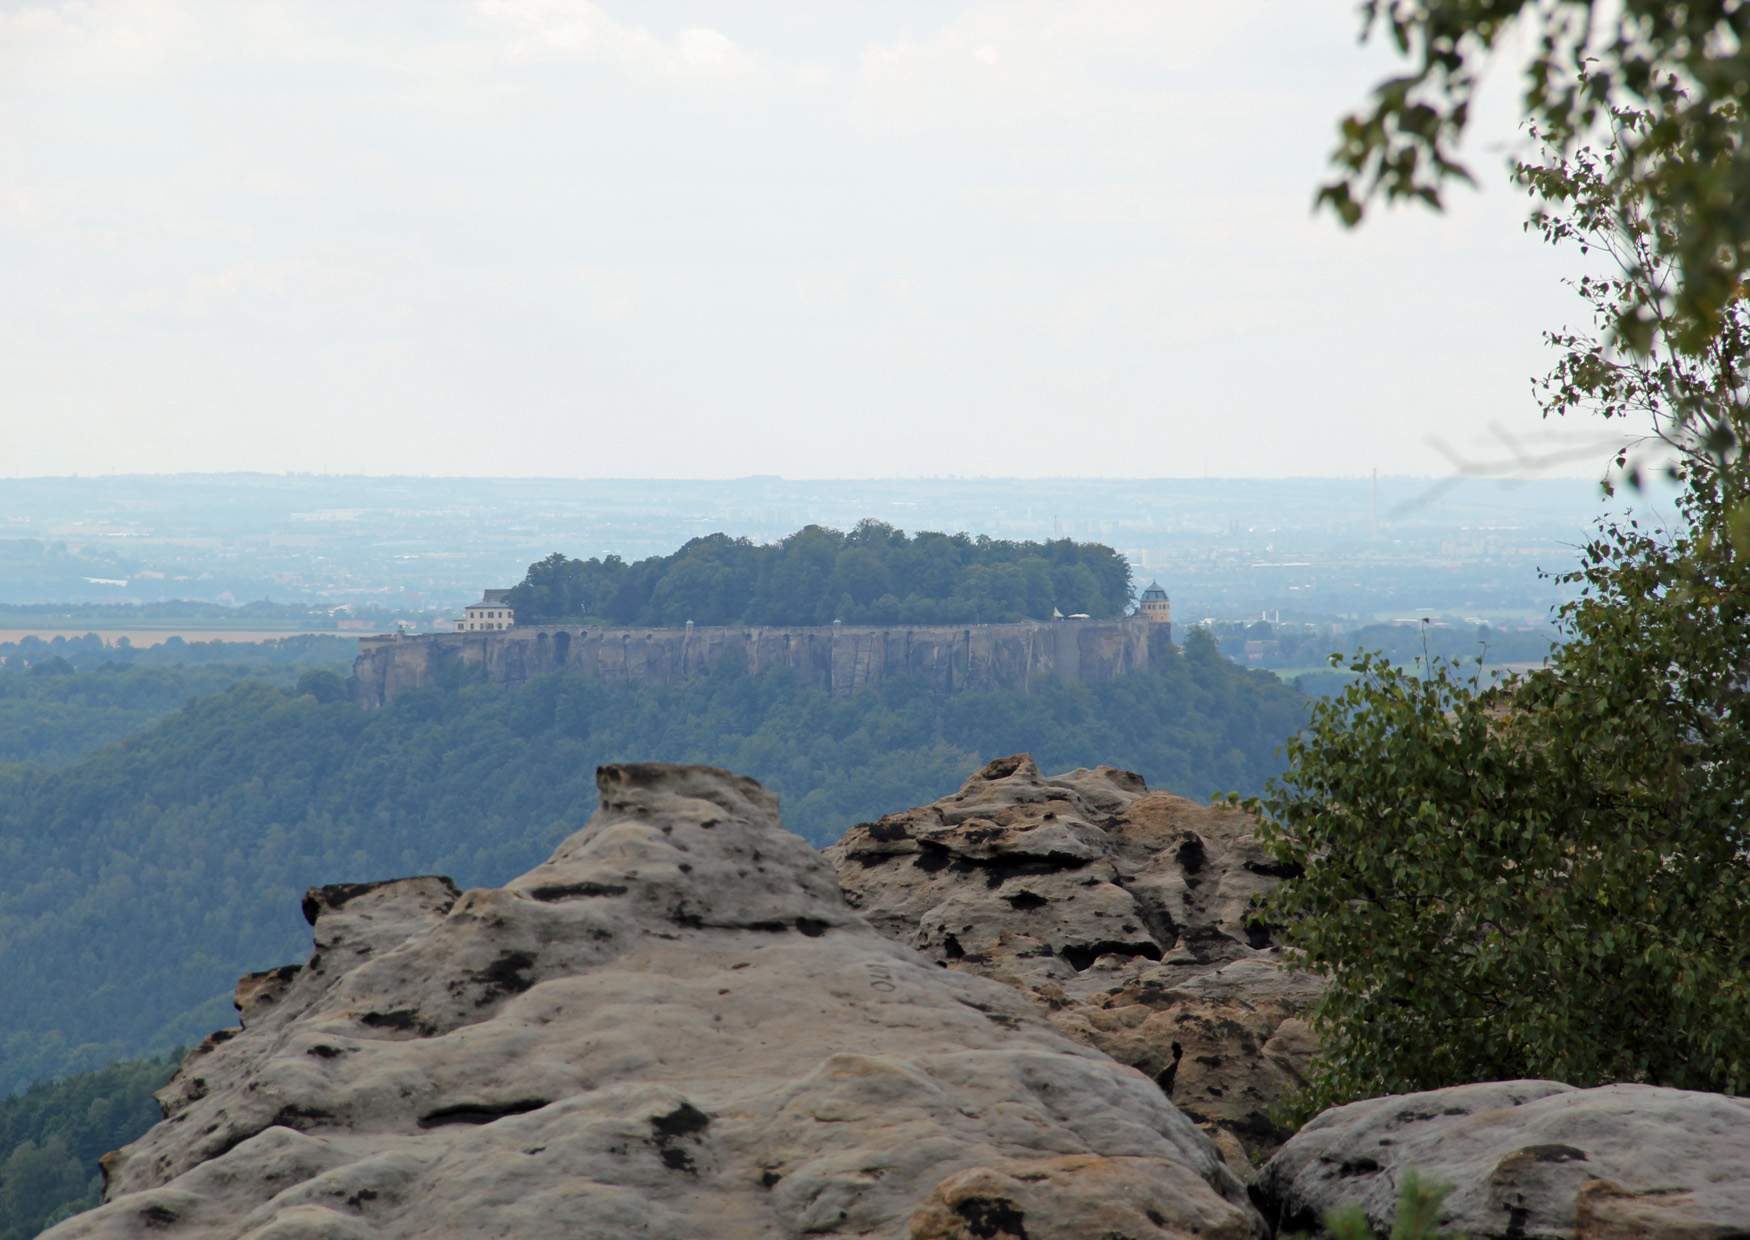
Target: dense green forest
54,714
143,879
51,714
52,1135
875,574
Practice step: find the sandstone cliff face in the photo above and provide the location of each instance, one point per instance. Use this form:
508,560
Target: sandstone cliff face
675,1027
838,658
1530,1159
1121,912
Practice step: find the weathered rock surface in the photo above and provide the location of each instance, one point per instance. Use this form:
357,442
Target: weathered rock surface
1121,912
1529,1159
840,658
675,1027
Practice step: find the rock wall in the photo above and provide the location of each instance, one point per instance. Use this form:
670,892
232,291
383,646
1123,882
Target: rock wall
838,658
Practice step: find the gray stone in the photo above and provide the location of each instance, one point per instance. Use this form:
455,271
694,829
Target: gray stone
1123,913
675,1027
1529,1159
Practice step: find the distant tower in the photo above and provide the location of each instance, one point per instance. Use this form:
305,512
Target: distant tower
1155,605
1158,611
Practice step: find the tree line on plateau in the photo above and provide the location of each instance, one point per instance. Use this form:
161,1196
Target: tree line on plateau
874,574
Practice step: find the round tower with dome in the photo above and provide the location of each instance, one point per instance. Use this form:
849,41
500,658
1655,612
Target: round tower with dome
1157,609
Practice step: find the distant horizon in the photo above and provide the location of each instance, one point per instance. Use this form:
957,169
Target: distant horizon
1321,545
825,479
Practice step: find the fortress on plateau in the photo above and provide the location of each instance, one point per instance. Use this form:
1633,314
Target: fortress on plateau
839,658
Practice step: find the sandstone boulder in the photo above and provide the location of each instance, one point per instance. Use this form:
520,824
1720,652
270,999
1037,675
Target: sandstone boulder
1529,1159
1123,913
675,1027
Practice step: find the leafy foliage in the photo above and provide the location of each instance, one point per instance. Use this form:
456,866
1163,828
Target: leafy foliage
143,879
1689,393
873,575
52,1135
1544,882
1552,877
1681,64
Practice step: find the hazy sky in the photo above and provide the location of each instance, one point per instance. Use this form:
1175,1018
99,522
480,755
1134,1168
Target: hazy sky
690,239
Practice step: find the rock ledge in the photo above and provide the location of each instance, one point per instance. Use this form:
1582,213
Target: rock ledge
675,1027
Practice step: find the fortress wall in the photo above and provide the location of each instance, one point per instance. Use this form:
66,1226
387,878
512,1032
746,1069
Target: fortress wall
839,658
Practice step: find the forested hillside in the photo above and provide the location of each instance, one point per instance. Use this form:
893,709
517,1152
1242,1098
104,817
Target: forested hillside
53,714
63,698
52,1135
145,878
875,574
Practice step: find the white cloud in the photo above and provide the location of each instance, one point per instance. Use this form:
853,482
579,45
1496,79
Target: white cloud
53,40
17,203
583,30
45,38
983,219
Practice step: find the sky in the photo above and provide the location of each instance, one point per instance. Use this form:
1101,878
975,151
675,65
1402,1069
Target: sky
690,239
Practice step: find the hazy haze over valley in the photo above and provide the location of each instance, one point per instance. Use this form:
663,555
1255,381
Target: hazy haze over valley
1223,548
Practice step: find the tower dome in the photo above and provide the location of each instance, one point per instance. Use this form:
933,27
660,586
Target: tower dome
1155,606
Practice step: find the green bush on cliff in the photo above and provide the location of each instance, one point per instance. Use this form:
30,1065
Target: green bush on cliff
1549,881
874,574
1552,878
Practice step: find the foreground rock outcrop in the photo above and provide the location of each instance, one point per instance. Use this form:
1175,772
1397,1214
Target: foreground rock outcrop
675,1027
1123,913
1529,1159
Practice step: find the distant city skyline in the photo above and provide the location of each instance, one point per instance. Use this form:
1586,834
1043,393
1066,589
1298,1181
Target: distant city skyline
555,238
